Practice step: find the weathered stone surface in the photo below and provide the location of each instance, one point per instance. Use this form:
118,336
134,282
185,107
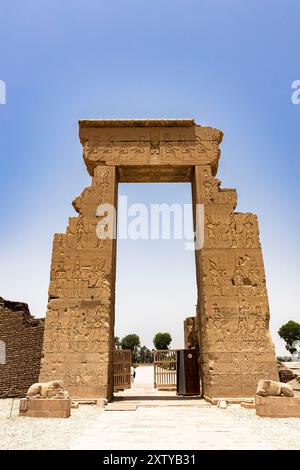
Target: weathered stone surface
21,337
270,388
277,407
45,408
78,342
191,337
232,308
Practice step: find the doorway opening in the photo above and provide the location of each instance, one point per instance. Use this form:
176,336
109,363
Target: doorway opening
155,280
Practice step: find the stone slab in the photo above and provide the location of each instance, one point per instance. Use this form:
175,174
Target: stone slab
120,407
45,408
247,405
231,400
278,407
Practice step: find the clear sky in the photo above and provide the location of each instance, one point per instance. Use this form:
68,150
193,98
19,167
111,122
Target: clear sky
227,63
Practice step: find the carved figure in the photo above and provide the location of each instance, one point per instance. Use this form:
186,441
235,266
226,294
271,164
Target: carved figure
53,389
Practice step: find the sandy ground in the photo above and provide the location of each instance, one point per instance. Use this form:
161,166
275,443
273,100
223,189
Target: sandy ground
41,433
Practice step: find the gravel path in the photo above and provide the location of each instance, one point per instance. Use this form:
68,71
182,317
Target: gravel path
91,427
42,433
280,433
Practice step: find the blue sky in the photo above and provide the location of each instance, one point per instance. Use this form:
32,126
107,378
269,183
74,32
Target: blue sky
227,63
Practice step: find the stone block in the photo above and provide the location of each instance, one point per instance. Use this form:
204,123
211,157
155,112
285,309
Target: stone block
45,408
277,407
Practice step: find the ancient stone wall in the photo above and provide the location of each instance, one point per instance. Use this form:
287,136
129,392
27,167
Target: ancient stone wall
21,340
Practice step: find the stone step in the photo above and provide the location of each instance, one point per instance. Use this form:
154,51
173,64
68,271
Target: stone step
120,407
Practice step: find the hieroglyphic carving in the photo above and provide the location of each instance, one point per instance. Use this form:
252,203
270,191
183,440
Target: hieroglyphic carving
232,230
211,225
217,277
242,277
211,186
247,275
81,281
249,232
77,329
154,149
227,230
243,330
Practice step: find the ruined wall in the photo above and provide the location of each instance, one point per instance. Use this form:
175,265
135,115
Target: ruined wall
22,336
191,338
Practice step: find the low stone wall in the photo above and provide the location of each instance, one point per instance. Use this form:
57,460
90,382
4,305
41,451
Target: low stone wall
21,341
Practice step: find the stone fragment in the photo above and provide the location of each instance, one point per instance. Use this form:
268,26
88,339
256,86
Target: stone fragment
222,404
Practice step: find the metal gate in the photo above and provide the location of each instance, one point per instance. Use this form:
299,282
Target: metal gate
122,369
165,365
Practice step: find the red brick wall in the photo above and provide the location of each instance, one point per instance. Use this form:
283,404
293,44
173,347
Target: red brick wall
23,338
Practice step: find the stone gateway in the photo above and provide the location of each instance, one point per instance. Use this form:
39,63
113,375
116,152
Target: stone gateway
236,349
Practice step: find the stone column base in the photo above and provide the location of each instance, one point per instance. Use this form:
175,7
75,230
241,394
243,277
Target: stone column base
278,407
45,408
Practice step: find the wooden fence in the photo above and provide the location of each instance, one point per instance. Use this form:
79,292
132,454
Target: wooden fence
122,369
165,365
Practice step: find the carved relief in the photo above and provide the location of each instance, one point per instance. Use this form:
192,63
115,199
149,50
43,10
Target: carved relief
247,275
166,150
81,281
77,329
249,232
80,231
210,185
217,277
238,329
232,230
244,278
211,225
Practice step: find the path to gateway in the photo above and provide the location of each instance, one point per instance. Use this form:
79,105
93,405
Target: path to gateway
163,422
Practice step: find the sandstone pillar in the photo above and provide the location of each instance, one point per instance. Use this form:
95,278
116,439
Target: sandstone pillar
79,327
233,310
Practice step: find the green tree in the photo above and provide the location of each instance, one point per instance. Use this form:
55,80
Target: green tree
145,355
162,340
290,332
132,342
117,342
